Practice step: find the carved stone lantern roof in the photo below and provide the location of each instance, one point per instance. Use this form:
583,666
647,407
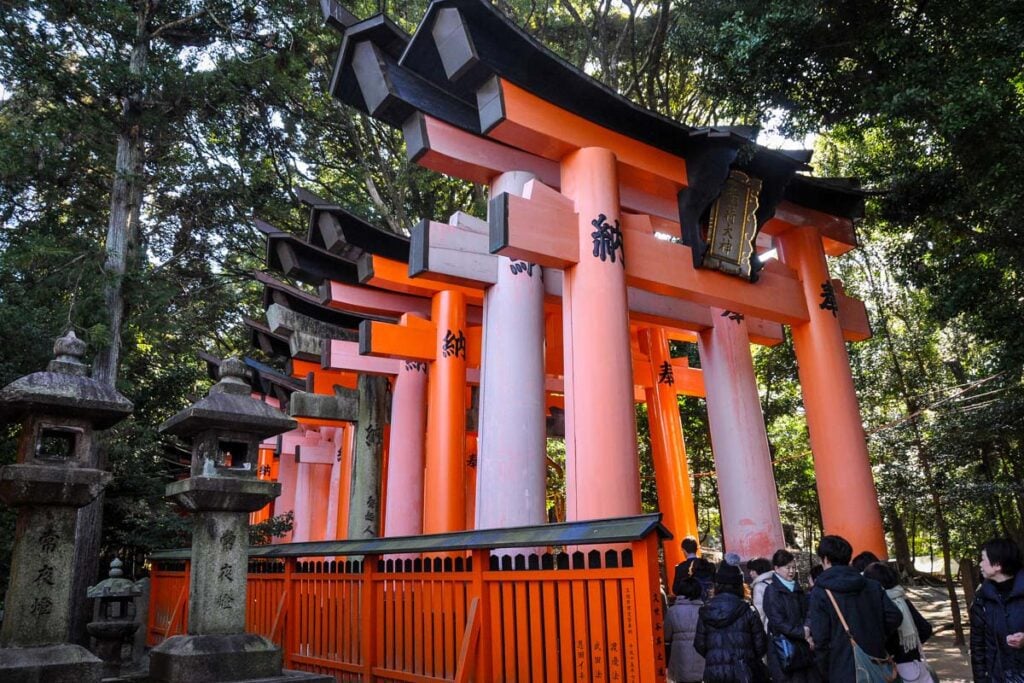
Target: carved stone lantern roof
229,406
115,585
64,388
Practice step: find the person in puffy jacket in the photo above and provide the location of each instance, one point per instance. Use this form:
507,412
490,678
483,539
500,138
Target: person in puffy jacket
997,615
730,634
684,664
785,609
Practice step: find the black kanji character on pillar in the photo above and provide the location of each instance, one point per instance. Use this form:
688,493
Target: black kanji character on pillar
48,539
517,267
41,607
263,471
607,239
828,299
733,316
665,375
44,575
374,436
227,572
454,345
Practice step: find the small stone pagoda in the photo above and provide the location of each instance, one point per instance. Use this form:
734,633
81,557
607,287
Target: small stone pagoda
61,411
226,428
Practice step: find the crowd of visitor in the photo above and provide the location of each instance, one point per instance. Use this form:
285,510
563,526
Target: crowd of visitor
854,622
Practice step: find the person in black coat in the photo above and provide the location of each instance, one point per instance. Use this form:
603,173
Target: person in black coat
730,634
785,611
997,615
905,644
870,614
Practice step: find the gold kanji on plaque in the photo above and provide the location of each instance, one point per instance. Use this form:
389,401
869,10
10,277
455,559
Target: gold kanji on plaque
732,226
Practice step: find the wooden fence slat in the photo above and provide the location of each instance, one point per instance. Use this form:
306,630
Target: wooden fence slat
428,627
409,661
497,642
459,616
468,645
508,630
629,635
581,638
522,630
613,629
450,647
549,613
437,619
398,658
567,643
535,611
596,620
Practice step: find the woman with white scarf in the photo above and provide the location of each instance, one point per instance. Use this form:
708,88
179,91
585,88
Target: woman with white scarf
905,644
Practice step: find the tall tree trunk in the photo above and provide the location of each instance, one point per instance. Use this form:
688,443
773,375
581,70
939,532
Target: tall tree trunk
126,194
924,456
899,540
122,237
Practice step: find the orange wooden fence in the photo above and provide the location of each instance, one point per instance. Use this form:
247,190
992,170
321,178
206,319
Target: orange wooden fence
481,615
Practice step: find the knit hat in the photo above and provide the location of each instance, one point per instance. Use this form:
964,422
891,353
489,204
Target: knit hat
729,575
732,558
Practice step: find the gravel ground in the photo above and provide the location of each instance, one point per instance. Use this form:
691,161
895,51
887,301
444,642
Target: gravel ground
952,662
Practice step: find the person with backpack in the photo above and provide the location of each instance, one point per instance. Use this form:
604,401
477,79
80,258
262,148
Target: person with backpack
785,609
850,618
997,615
730,635
685,665
905,644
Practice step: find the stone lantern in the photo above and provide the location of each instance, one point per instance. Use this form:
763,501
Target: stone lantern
226,429
115,597
60,411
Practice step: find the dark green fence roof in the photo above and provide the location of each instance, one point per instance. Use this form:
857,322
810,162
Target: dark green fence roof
591,532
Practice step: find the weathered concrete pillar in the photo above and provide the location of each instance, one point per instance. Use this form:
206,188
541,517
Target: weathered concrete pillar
511,468
364,505
226,428
746,484
60,411
405,458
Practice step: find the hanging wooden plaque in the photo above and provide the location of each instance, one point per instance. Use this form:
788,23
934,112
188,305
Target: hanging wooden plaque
732,226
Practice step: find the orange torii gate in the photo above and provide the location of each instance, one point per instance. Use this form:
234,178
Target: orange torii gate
456,252
659,379
468,107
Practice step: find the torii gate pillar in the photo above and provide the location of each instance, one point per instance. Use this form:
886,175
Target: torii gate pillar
747,496
444,473
404,516
668,448
846,488
511,469
602,478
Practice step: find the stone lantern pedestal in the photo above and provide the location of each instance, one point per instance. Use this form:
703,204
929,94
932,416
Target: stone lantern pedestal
226,428
60,410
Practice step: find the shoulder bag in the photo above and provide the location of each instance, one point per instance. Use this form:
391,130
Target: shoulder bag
793,654
869,669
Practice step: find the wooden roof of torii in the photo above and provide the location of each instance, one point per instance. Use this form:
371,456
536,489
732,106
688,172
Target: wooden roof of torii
469,75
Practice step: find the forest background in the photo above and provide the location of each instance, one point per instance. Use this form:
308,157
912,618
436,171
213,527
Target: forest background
139,139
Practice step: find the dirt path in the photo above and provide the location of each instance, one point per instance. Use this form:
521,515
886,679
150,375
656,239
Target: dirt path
952,662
